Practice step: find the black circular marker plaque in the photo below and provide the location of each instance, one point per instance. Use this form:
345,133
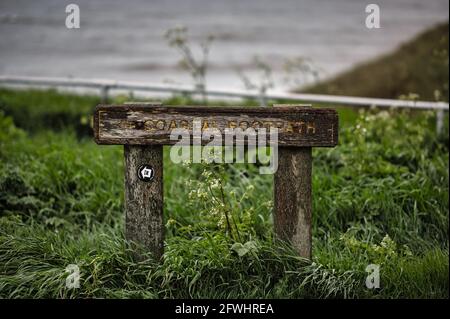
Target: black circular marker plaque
146,173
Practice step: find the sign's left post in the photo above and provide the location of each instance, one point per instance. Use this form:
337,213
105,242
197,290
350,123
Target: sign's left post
144,197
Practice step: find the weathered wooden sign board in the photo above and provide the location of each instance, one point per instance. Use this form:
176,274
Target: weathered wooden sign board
143,129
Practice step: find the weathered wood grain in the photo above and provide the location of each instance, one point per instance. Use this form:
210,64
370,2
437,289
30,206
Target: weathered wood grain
152,124
292,198
144,200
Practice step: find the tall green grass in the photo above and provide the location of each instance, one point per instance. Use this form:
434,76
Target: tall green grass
380,197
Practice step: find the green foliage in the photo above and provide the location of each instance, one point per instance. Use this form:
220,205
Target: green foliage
54,179
389,173
380,197
48,109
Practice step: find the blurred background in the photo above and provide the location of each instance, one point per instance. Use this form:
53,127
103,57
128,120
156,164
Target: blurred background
124,40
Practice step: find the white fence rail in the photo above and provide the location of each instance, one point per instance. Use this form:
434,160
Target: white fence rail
105,86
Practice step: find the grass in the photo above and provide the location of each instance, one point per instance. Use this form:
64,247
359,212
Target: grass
418,70
50,110
380,197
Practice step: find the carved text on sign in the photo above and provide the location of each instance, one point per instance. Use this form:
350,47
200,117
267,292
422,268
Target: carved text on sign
164,126
140,125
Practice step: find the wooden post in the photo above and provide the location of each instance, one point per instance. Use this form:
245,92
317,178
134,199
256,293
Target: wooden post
104,93
144,199
439,121
292,198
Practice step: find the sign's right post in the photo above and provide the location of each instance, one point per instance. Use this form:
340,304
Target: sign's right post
293,197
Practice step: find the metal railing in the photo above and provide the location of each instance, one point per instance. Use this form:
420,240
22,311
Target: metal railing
105,86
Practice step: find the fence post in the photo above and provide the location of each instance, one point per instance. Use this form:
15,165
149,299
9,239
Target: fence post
439,121
104,93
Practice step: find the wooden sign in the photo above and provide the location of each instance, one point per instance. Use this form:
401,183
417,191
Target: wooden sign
147,125
143,129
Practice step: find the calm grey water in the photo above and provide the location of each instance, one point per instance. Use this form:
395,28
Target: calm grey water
125,39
